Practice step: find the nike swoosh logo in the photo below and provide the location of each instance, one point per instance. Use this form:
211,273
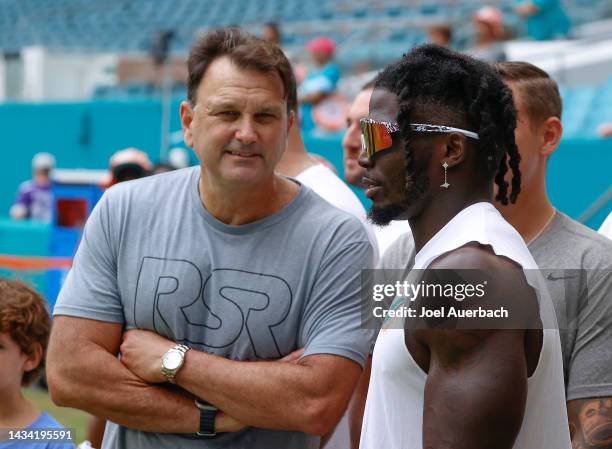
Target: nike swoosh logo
550,277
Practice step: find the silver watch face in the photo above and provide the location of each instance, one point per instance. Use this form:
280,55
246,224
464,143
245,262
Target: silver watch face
172,360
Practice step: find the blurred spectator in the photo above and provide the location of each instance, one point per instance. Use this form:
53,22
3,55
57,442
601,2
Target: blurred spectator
353,172
546,19
605,130
271,33
488,24
440,34
319,174
34,198
351,142
321,81
128,164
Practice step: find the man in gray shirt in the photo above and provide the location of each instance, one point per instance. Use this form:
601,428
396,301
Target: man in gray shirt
575,260
203,278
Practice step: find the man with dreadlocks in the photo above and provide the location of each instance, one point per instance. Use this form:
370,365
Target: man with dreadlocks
440,131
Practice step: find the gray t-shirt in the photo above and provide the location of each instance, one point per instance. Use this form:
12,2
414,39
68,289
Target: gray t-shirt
577,264
153,258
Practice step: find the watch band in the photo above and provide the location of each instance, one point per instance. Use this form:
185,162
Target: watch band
208,414
171,373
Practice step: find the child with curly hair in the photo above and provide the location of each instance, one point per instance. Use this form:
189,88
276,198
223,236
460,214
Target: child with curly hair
24,333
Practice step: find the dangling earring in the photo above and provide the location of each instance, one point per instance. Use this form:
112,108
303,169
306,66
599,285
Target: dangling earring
446,185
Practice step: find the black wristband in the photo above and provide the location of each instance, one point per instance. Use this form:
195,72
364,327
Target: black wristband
208,414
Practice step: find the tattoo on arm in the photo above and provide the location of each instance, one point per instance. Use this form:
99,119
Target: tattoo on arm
590,422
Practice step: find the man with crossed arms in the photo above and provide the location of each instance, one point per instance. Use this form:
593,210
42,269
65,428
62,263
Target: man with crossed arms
204,278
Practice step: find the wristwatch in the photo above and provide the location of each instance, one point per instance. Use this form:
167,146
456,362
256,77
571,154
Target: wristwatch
207,418
172,361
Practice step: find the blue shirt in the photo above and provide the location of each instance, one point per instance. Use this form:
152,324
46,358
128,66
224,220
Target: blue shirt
44,421
37,200
325,80
550,21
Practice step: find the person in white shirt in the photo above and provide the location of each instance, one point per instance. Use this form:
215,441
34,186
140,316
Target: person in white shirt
353,173
297,163
606,227
440,130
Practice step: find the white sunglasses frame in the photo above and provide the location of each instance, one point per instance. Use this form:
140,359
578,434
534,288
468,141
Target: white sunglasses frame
423,128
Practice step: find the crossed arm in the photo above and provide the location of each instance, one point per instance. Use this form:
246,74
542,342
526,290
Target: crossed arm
307,396
83,372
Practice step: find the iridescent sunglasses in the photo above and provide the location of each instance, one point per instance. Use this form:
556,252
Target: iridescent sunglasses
376,135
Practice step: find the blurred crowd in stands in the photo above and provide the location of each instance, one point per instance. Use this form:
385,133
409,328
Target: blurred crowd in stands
322,109
34,199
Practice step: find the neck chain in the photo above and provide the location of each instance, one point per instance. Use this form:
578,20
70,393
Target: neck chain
554,212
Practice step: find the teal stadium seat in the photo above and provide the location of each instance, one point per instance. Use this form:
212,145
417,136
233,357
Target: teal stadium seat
127,25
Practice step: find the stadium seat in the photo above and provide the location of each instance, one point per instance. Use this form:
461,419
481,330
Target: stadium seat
99,25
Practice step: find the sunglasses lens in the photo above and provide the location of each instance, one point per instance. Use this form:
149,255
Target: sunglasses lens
375,137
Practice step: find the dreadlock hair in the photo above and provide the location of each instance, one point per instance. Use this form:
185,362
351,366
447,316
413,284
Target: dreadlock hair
460,91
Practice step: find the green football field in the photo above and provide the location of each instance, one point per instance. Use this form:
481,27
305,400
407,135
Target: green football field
68,417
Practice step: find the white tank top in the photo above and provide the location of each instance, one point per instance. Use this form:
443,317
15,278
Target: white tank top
393,417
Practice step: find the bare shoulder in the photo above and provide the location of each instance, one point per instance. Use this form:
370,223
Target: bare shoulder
478,264
489,300
476,256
